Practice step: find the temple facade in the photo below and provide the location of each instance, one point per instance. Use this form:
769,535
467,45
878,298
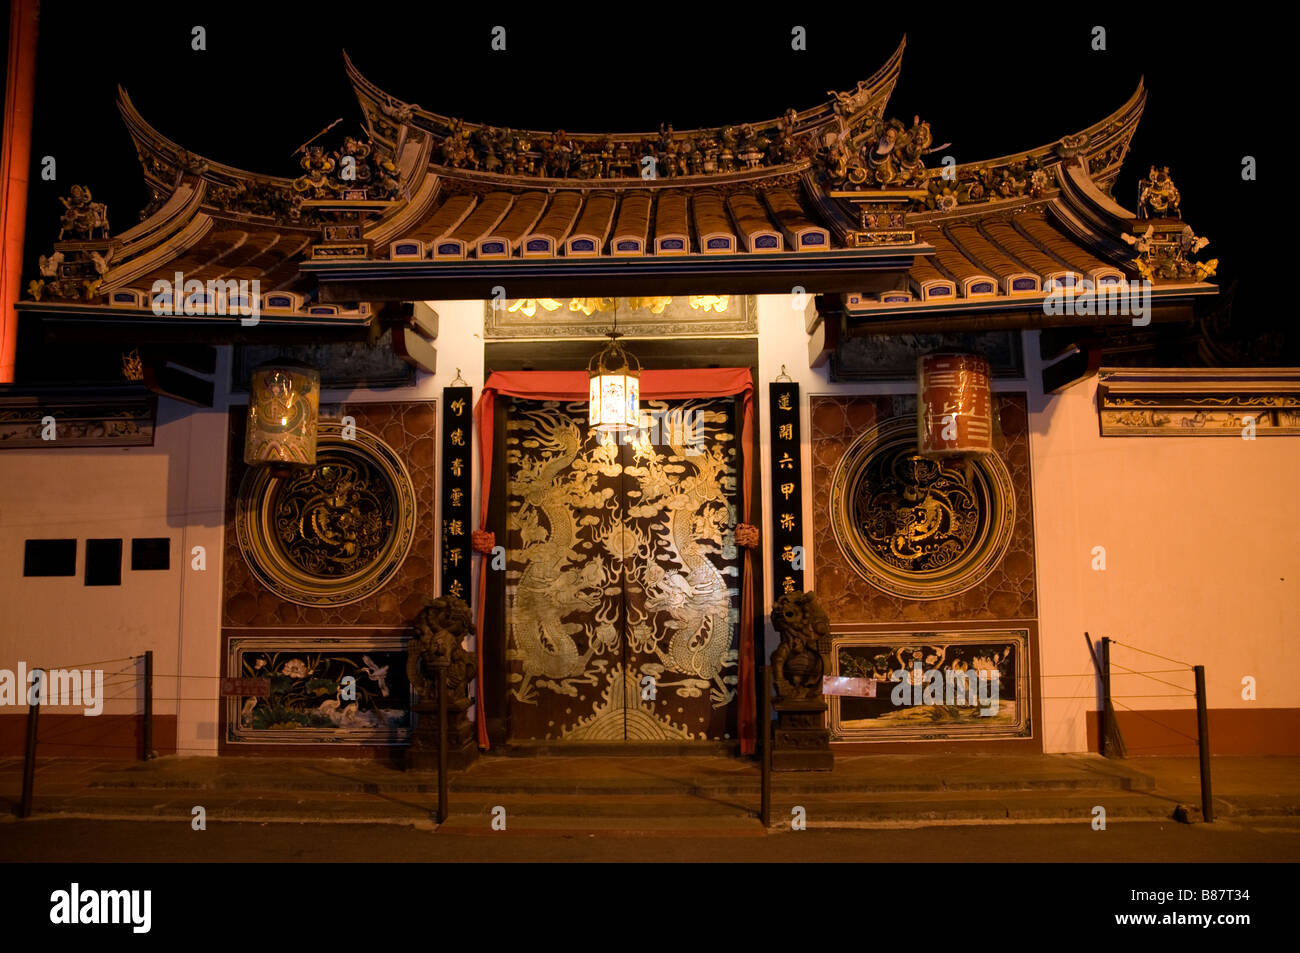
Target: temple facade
598,404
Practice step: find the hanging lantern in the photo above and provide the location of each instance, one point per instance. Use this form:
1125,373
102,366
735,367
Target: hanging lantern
615,388
954,407
283,401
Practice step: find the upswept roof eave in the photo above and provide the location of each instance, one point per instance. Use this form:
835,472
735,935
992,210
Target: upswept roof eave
872,93
1077,151
148,140
211,184
1125,119
1086,212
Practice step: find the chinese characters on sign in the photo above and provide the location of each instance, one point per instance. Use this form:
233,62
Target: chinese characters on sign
787,489
457,429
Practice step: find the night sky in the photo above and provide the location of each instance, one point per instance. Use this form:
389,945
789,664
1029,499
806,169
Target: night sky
989,80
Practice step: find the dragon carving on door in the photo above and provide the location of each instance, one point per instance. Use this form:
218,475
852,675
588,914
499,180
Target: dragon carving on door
622,574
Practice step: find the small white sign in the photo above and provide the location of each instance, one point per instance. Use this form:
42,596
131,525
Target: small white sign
842,685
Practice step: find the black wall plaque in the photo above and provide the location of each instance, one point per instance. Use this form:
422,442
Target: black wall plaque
787,487
457,441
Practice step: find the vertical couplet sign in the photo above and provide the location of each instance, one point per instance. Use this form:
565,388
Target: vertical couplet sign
457,430
787,489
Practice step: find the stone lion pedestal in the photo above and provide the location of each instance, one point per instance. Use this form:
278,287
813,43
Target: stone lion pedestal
440,631
801,738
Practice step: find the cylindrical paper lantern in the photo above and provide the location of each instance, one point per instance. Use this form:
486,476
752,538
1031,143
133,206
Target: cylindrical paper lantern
283,402
954,407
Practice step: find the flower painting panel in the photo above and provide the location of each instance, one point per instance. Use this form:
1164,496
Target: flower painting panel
325,690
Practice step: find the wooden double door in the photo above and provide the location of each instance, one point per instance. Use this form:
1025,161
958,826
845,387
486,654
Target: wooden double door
622,574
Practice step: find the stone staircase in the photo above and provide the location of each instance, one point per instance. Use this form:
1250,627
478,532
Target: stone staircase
634,794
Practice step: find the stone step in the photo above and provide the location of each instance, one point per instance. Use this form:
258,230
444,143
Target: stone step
474,782
546,826
822,810
629,813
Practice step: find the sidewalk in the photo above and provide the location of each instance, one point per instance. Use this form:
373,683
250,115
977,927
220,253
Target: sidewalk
656,794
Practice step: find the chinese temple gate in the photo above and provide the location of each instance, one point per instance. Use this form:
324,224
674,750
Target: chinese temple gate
863,372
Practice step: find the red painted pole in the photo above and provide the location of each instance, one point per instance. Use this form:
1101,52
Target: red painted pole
15,160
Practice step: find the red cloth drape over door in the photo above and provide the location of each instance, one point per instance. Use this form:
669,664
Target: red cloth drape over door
660,385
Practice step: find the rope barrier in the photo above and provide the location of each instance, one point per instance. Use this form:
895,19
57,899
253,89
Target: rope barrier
1155,654
65,668
1093,697
1154,671
1154,679
172,675
1138,712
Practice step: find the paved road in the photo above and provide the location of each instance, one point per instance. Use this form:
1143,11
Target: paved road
1250,840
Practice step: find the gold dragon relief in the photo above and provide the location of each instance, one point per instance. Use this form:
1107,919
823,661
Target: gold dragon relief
622,573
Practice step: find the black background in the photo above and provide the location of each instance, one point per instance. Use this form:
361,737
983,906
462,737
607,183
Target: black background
451,906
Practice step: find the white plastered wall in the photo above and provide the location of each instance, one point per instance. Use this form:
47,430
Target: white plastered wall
175,489
1200,554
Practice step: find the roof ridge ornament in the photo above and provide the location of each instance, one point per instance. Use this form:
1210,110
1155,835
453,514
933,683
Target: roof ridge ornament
1158,197
77,265
1165,252
784,140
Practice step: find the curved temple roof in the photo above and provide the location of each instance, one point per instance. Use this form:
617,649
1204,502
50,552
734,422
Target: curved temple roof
829,196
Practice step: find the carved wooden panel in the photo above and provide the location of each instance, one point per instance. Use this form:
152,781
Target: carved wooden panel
934,686
663,316
333,533
1005,589
348,687
407,430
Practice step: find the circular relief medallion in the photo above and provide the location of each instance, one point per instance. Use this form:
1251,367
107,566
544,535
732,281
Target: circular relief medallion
916,526
330,534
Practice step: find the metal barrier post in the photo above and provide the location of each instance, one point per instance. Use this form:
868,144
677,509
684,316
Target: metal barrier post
148,705
442,743
1103,719
765,806
1203,744
29,761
